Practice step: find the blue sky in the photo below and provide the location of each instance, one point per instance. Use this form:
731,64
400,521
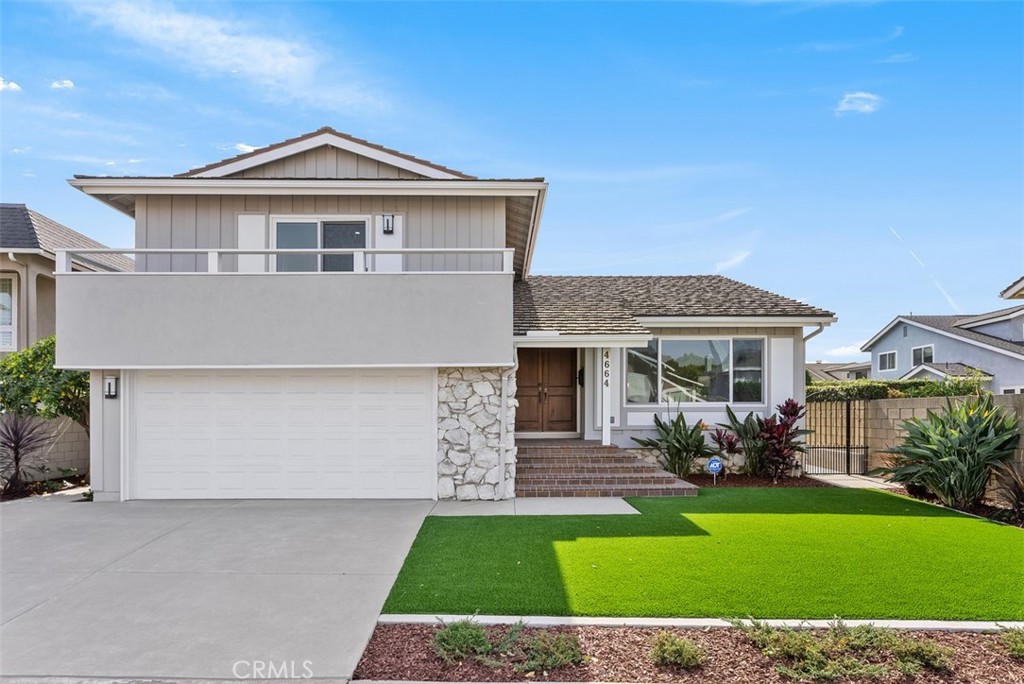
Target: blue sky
866,157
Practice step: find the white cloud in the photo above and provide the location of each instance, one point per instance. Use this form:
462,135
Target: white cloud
242,147
281,69
847,349
21,150
9,85
860,102
732,262
63,84
136,161
899,58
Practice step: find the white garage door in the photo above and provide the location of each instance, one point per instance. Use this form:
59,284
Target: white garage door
283,434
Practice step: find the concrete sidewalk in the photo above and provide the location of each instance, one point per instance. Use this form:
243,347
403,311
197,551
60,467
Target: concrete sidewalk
853,481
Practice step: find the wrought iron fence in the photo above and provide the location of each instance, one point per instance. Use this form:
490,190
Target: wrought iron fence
838,443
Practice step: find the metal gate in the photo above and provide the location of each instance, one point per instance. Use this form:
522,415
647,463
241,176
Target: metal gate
838,443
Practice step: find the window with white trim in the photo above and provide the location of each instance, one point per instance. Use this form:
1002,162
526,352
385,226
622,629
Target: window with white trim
925,354
1016,389
8,320
343,232
887,361
696,370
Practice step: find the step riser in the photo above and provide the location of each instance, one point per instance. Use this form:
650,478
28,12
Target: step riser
605,492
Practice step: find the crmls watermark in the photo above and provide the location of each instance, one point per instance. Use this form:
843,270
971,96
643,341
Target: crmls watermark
271,669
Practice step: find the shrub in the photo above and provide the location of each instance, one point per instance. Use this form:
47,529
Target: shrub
459,640
953,453
548,651
670,650
1013,639
678,443
22,438
30,384
748,432
782,438
841,390
1009,488
923,653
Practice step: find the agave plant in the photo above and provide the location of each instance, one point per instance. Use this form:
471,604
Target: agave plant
22,437
678,443
953,453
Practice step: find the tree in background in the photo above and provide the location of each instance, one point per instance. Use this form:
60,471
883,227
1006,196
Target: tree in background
30,385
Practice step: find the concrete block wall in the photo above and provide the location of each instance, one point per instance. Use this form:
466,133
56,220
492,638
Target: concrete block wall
69,448
885,420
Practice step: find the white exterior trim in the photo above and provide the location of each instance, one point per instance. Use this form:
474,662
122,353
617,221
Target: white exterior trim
924,368
581,341
1013,291
733,321
325,138
976,343
895,361
13,327
287,186
491,364
923,346
977,323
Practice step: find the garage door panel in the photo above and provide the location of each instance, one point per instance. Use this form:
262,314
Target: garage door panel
284,434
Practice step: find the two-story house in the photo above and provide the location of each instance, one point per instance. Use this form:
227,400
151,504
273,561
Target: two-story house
987,346
326,317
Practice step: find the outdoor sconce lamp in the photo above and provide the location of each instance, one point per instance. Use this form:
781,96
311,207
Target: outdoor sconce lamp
110,387
389,224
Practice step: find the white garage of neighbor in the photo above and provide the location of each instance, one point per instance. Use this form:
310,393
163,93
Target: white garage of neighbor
280,434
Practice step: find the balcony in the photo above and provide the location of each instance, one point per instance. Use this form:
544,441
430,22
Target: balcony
376,314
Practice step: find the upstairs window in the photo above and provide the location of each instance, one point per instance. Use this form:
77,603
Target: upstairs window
693,370
922,354
887,361
343,233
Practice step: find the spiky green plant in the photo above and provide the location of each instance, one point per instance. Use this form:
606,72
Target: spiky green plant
678,443
954,452
748,431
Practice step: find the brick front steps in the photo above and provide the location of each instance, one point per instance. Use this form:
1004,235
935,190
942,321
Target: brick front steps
579,468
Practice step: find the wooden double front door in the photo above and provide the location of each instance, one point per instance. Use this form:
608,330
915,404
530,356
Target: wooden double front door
546,382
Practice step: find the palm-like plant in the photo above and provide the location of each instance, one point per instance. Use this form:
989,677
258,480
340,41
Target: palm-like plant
953,453
21,439
678,443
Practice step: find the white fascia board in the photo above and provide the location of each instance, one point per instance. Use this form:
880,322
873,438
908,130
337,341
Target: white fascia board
581,341
480,364
920,370
531,240
325,138
286,186
995,319
733,321
866,347
1014,291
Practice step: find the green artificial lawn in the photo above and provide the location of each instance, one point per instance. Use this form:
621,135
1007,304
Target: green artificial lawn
766,553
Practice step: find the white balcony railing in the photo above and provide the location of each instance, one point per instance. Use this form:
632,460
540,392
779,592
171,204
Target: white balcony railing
363,260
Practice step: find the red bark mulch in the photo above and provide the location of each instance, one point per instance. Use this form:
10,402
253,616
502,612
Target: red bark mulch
740,480
622,654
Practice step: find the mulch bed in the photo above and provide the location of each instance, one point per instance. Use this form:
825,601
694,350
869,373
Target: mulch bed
740,480
48,487
621,654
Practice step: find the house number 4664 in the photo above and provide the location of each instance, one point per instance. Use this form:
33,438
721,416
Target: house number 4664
607,368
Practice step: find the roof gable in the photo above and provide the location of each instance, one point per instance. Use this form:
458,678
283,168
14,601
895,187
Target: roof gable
24,228
1015,290
292,158
947,326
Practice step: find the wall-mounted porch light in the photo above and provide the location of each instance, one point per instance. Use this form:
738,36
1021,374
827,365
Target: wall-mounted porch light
110,387
389,224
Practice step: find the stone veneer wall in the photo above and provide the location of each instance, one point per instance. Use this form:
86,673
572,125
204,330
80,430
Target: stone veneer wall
469,435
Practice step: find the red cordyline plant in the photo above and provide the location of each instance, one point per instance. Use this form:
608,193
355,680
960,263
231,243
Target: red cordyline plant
781,437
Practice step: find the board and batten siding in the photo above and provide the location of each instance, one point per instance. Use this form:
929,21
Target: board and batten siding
325,162
211,222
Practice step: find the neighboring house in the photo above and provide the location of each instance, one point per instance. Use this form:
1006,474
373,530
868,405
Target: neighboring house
987,346
830,372
326,317
28,245
1014,291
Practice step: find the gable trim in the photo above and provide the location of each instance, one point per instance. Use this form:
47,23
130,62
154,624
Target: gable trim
1014,290
732,321
978,322
867,345
259,158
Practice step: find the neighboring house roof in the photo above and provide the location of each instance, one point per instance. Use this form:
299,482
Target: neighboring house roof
950,326
828,371
259,156
948,370
22,228
617,305
1015,290
991,317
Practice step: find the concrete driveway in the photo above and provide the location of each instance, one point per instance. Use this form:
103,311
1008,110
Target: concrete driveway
204,589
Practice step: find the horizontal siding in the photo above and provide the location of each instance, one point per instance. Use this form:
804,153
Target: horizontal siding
326,162
209,222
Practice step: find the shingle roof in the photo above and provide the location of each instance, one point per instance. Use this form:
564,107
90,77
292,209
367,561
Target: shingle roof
981,318
608,305
957,369
24,228
948,324
306,136
826,371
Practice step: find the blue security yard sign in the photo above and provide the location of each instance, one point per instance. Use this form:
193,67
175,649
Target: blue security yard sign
715,466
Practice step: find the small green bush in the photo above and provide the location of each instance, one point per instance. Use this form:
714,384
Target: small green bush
670,650
679,443
1013,639
923,653
954,452
548,650
459,640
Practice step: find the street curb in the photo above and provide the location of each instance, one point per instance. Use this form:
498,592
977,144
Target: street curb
697,623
